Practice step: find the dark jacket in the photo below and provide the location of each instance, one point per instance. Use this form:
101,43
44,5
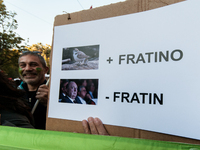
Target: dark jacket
40,112
65,99
11,118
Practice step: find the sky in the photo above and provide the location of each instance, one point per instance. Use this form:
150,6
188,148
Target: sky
36,18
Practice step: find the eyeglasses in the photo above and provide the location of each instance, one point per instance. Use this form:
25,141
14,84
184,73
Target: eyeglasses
35,52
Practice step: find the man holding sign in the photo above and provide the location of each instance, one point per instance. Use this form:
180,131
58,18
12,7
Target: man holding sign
32,70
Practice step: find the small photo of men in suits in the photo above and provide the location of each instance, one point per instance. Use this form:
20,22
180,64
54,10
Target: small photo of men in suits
79,91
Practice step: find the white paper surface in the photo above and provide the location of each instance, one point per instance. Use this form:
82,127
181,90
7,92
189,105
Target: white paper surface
170,28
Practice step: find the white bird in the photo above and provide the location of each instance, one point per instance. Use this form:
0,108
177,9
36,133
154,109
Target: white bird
80,56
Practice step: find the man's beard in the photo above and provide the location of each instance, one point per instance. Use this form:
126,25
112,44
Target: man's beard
31,80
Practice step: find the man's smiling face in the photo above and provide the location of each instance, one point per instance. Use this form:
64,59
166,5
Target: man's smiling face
31,70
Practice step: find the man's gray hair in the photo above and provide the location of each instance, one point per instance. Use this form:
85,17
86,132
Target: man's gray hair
42,60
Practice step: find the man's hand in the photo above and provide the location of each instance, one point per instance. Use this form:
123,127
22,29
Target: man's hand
94,126
42,94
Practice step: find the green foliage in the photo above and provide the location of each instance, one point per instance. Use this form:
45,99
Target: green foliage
12,72
9,41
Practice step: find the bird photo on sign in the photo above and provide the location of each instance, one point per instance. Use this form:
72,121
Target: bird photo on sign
80,58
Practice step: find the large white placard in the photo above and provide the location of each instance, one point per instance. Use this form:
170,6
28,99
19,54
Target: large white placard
147,69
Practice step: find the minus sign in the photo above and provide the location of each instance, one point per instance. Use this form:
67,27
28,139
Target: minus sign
107,97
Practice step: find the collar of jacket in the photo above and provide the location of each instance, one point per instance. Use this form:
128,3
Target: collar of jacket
24,85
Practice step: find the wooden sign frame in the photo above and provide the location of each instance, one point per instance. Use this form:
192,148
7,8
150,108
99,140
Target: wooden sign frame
117,9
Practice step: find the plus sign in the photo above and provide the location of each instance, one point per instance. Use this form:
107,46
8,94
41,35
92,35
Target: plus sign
109,60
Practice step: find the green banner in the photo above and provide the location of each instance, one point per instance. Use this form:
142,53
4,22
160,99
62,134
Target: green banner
13,138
